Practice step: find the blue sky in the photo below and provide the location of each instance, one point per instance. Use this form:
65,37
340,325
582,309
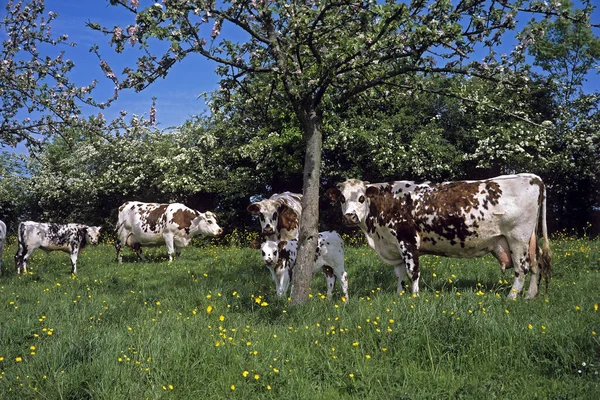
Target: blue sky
177,94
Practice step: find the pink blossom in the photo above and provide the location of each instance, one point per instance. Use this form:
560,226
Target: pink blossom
153,115
216,30
118,33
135,3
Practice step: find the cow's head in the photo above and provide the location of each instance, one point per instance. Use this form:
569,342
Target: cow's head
270,252
275,256
352,196
206,224
93,234
268,212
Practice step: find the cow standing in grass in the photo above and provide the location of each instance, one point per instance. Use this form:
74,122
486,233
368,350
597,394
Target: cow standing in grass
70,238
2,241
456,219
153,224
278,215
280,259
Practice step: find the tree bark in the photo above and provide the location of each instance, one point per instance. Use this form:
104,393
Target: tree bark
310,121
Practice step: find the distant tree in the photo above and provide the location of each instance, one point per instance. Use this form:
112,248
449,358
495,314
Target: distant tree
38,99
567,54
325,53
13,189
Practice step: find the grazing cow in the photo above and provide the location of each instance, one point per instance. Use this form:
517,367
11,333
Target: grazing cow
279,216
70,238
280,259
2,241
152,224
402,220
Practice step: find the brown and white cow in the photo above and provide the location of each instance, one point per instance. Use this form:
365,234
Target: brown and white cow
153,224
279,215
70,238
403,220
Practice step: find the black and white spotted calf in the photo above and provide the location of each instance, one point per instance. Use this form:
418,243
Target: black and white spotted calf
280,259
403,220
70,238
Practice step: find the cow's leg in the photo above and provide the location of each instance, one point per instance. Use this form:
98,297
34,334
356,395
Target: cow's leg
1,250
118,248
519,251
400,271
170,247
535,268
329,278
23,254
177,252
411,265
342,278
284,277
74,253
137,249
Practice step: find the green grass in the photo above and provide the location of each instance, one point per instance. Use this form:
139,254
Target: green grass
144,330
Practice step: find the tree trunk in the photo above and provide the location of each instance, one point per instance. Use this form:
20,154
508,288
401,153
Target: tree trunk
310,121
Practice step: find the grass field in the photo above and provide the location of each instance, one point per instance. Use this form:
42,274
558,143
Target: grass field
209,326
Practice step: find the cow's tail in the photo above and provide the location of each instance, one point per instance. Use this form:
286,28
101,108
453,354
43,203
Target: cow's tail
545,258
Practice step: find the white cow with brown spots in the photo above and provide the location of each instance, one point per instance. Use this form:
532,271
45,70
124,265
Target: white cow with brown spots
279,215
280,259
153,224
403,220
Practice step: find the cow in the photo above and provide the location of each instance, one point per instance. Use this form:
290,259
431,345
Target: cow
279,216
2,241
70,238
403,220
280,259
153,224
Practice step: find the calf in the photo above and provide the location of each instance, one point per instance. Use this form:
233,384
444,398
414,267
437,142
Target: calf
455,219
70,238
2,241
280,259
153,224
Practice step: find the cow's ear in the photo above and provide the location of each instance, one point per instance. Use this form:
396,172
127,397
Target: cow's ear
372,191
333,194
254,208
255,244
281,244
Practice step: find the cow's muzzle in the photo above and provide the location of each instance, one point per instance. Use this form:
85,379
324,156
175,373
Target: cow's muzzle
269,263
351,219
268,230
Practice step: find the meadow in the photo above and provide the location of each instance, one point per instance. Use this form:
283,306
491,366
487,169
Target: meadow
209,326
